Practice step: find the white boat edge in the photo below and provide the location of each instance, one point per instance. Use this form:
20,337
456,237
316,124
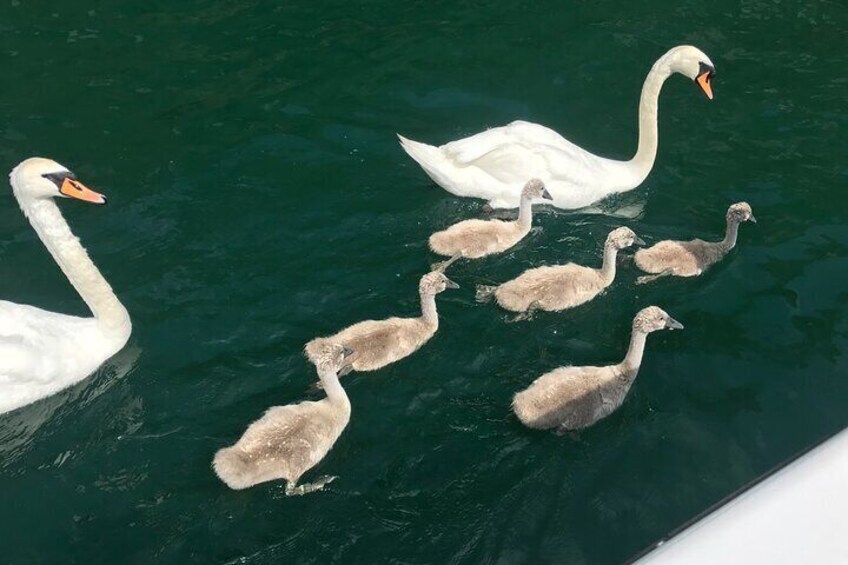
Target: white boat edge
795,515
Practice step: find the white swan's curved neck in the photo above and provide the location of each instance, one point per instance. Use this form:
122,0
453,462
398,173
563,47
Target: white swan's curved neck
72,258
643,161
525,212
608,269
428,309
332,387
633,359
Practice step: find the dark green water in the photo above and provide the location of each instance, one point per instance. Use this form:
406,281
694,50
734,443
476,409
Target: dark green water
259,198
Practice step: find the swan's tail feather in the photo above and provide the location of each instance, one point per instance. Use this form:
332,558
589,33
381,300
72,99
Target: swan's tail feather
231,467
485,292
431,159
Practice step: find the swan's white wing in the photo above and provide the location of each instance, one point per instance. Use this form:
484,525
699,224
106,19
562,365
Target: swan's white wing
515,152
43,352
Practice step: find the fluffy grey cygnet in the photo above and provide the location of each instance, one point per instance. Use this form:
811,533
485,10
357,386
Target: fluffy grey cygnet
289,440
378,343
562,286
473,239
571,398
691,258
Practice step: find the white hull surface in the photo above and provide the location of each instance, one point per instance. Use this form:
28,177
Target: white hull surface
797,515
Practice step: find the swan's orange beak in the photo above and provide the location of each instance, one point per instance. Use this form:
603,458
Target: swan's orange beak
703,81
75,189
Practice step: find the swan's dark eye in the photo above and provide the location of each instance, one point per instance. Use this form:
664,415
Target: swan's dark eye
704,68
59,178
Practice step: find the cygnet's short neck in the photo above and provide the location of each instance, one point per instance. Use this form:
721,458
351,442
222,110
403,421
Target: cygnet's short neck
633,360
729,241
330,382
428,309
525,211
608,269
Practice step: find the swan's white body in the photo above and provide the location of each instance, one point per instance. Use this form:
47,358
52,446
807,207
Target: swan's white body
495,164
44,352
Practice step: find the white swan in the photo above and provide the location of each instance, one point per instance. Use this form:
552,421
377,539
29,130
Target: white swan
44,352
494,164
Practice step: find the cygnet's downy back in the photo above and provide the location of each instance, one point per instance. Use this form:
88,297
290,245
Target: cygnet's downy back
561,287
570,398
473,239
378,343
691,258
289,440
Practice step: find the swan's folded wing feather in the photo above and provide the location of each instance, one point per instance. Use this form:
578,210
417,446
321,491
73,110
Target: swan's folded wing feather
467,151
42,329
37,346
464,152
18,360
511,164
531,133
516,152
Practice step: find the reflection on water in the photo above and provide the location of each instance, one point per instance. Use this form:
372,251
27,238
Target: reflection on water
20,428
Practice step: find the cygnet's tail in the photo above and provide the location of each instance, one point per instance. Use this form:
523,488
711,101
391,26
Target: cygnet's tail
485,292
432,160
232,468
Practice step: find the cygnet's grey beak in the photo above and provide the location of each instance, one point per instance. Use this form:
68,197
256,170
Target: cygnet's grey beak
546,195
752,219
639,241
673,324
347,352
450,284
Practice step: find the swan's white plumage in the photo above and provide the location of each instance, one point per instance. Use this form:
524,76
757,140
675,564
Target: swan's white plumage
44,352
495,163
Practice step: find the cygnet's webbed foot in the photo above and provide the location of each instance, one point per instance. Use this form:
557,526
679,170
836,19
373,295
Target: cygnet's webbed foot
527,315
485,292
644,279
443,265
563,431
300,490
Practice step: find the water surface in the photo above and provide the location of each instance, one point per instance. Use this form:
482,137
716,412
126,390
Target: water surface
259,198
